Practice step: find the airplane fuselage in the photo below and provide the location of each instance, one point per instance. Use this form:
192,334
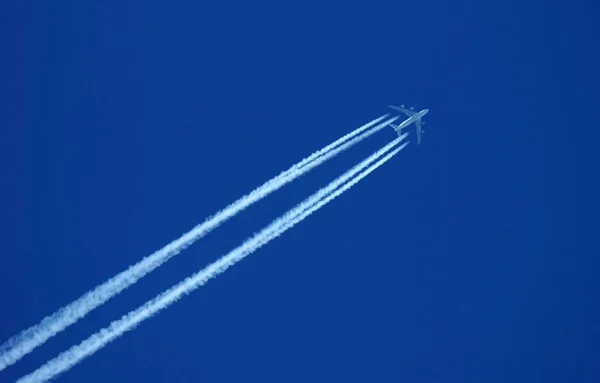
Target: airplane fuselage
420,114
413,118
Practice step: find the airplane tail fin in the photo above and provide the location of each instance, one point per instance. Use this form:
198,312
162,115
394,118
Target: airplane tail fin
394,126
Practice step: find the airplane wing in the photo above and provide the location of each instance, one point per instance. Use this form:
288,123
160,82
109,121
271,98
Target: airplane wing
403,110
419,131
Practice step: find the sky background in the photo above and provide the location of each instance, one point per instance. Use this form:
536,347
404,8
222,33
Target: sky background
470,258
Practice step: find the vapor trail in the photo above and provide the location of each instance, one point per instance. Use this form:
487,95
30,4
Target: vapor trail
26,341
76,354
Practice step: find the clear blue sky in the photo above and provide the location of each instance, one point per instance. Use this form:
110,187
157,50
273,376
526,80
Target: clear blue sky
471,258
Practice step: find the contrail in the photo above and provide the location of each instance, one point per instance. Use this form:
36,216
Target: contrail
76,354
26,341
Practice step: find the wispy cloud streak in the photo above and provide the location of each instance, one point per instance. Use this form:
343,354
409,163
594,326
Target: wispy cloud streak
26,341
75,354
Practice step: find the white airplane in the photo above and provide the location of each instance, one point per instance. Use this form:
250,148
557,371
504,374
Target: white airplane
413,117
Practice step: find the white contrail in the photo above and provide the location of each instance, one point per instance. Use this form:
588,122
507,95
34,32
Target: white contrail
25,342
76,354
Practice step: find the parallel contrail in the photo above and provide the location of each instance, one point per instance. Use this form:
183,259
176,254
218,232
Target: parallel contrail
25,342
76,354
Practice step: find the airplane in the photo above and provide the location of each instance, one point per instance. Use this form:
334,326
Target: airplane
413,117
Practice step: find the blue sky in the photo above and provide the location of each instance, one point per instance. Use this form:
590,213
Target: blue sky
469,258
